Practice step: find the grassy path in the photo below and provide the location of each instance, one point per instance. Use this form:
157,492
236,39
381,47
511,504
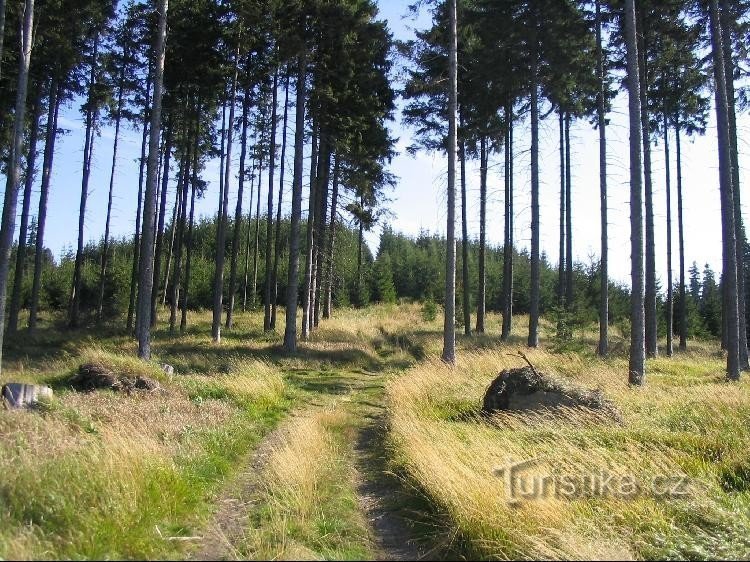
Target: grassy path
338,502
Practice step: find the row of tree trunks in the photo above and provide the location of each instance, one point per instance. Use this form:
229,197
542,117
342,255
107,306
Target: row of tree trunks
603,347
92,114
277,233
53,110
134,274
238,208
223,210
21,252
7,227
290,330
508,237
269,219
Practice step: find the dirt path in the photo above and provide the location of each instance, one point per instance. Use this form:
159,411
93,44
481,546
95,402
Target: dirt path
378,492
380,495
228,525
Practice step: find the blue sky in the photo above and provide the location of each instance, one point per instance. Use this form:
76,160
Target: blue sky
418,201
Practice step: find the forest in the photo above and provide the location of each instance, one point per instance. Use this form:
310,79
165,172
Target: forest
257,363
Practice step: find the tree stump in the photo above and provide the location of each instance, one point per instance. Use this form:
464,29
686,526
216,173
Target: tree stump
526,389
19,395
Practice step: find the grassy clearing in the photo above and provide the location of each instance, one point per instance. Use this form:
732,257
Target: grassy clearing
108,475
687,422
308,508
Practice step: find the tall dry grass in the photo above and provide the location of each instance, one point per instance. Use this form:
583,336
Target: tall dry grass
309,509
111,475
686,423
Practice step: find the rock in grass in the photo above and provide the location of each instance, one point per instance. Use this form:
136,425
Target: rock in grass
168,369
19,395
526,389
92,376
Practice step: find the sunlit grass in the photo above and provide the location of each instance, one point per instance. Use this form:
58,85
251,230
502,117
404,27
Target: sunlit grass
687,422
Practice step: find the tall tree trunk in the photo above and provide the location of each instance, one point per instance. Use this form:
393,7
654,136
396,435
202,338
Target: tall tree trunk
256,236
449,326
134,273
637,364
146,258
533,340
309,238
670,289
652,348
7,227
105,248
222,226
508,238
23,236
189,248
177,275
238,210
360,240
464,243
603,348
172,239
482,288
568,218
2,34
320,236
269,218
160,224
248,241
88,150
729,231
681,238
727,25
328,303
277,234
290,331
53,110
561,270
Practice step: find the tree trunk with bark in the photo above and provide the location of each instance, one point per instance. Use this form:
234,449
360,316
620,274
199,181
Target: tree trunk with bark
160,224
277,234
466,300
729,275
23,236
670,289
290,331
189,245
218,305
533,340
105,246
269,219
637,363
681,239
310,231
53,110
568,219
146,258
652,348
603,347
329,277
561,271
449,325
482,288
134,273
88,150
182,186
508,238
7,227
727,25
238,210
